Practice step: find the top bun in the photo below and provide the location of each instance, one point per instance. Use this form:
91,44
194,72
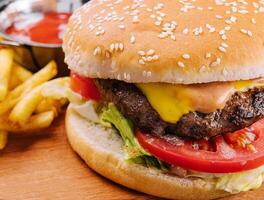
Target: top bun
174,41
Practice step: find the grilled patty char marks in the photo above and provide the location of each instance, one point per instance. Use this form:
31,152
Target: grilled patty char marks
241,110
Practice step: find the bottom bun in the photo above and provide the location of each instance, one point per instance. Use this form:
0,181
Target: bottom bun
101,149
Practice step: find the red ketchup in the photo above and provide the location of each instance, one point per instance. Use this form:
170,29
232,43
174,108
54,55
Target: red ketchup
49,28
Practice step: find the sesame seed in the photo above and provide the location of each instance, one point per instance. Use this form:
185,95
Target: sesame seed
225,72
116,46
149,9
150,52
243,31
128,77
126,7
208,55
185,31
197,31
249,33
122,26
222,32
141,53
228,21
155,57
214,64
159,18
243,11
219,17
162,35
173,37
121,46
148,73
157,23
208,26
228,28
141,61
212,30
149,58
253,20
132,39
161,14
224,45
222,49
233,19
217,62
186,56
135,19
224,37
97,51
174,23
256,5
181,64
203,68
112,47
91,27
121,19
234,9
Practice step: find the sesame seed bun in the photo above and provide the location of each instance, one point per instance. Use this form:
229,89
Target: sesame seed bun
101,148
167,41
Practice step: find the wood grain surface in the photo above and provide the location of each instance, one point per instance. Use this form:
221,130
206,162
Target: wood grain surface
43,166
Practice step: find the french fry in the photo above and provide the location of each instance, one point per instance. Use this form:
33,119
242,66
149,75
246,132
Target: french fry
21,73
13,82
63,102
3,139
49,105
39,121
29,102
35,122
45,74
26,106
56,89
6,61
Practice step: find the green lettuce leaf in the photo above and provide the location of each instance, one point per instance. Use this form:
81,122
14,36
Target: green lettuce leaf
133,151
241,181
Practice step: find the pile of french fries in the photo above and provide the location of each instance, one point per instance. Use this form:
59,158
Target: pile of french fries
28,102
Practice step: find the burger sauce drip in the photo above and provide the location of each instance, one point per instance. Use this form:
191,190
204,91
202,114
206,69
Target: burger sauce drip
49,29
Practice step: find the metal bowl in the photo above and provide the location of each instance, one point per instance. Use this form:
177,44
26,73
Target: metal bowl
11,11
33,55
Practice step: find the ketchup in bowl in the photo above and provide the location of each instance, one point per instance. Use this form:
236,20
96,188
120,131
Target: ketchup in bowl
43,28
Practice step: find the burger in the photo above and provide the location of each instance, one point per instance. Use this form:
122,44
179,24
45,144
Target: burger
167,97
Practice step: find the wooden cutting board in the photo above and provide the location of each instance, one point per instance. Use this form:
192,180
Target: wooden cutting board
43,166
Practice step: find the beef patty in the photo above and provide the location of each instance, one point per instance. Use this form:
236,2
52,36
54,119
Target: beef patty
240,111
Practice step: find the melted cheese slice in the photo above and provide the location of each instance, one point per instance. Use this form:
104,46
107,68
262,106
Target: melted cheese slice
172,101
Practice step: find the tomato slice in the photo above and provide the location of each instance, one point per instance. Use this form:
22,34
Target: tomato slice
219,155
85,87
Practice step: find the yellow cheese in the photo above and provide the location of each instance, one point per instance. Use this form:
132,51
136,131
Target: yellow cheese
169,101
244,85
172,101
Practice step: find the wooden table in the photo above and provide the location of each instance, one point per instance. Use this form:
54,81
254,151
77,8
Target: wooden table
44,167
